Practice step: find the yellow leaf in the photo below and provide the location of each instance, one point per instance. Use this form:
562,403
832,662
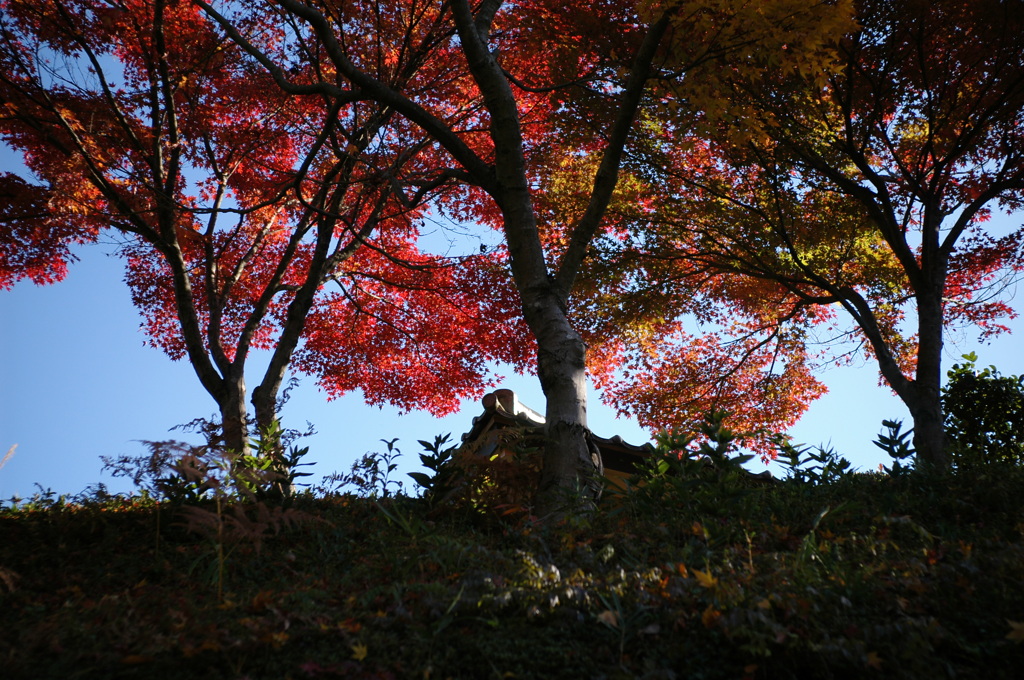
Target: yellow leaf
359,651
705,578
764,604
1016,633
874,661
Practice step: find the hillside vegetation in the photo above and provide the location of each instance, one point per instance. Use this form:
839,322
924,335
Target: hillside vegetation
700,573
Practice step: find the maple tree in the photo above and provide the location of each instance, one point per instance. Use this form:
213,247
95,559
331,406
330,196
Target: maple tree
249,219
35,244
525,85
863,189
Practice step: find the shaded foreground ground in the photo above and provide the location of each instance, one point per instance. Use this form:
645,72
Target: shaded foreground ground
867,576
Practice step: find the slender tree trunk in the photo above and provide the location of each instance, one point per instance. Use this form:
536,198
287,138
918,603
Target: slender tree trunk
929,431
264,395
234,415
227,390
265,406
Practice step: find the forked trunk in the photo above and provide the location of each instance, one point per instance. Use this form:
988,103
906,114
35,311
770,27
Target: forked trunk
922,395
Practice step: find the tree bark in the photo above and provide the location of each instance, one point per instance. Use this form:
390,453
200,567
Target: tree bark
570,477
926,408
234,415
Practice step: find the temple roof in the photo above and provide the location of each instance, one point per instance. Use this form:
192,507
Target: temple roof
502,408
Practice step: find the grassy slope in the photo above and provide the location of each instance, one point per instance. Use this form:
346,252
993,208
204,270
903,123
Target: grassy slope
867,577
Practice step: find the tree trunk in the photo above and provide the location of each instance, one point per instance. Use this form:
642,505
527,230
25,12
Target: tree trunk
930,434
926,409
923,395
234,416
570,479
569,470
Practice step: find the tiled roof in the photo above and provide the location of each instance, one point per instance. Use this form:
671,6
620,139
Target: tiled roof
502,408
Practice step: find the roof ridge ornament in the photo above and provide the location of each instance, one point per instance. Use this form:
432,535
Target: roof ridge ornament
507,402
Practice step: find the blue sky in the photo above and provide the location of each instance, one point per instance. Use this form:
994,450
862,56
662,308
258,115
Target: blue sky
79,382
